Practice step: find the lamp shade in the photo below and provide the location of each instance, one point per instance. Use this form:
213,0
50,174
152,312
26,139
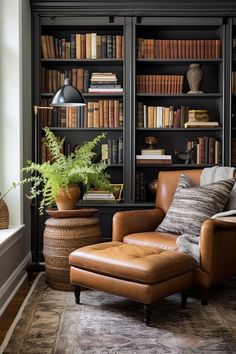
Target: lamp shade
68,96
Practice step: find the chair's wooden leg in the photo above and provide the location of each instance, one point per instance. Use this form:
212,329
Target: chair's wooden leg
184,297
77,290
204,295
147,313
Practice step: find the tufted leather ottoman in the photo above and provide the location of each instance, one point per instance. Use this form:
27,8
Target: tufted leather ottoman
144,274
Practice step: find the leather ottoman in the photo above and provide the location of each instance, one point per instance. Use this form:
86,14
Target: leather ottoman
144,274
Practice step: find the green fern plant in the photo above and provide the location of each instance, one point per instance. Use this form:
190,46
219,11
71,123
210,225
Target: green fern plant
78,167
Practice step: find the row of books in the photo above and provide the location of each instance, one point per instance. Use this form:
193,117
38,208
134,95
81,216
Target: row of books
105,113
104,83
207,150
83,46
179,48
167,84
95,114
161,117
112,151
52,79
45,152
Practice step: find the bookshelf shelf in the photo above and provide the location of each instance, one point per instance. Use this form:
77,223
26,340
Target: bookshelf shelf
86,129
82,61
180,61
180,129
176,165
88,95
181,95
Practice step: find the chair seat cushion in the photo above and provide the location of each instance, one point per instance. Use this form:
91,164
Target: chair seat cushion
141,264
153,239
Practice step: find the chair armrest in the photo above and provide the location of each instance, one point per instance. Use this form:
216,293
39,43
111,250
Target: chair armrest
132,221
218,248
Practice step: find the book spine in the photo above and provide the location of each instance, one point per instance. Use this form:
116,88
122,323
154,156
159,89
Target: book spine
104,149
104,46
72,46
93,45
88,45
114,151
44,48
110,152
90,114
121,115
120,150
201,150
211,157
78,46
154,162
96,122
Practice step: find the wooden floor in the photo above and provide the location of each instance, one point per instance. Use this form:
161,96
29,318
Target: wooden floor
10,313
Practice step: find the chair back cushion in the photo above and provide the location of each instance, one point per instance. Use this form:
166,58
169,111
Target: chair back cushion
167,183
192,205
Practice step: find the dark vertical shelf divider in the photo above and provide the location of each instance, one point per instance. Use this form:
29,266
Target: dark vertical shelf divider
232,89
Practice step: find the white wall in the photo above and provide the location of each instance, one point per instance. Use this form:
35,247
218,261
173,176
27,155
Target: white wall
11,105
15,133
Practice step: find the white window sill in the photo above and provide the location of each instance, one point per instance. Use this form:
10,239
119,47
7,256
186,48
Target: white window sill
8,237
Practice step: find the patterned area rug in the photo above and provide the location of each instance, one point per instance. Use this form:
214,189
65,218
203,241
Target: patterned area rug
52,323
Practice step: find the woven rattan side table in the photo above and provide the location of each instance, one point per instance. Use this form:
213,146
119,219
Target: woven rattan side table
61,237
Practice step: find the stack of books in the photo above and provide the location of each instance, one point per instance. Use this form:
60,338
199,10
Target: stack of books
199,124
104,83
153,156
99,196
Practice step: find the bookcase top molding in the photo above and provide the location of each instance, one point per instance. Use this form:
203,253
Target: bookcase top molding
135,8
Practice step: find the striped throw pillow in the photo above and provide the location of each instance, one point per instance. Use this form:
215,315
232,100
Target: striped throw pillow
192,205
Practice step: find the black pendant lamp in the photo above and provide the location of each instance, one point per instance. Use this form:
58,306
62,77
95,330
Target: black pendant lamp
68,96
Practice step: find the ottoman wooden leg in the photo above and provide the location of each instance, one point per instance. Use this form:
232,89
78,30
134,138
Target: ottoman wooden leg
204,295
147,314
77,290
184,297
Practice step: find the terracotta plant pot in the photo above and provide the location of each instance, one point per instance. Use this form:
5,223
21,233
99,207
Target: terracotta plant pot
66,199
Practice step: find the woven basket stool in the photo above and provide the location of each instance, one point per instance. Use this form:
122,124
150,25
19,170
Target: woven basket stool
4,215
61,237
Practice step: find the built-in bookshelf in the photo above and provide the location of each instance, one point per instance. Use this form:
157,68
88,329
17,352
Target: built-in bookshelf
133,75
91,54
164,106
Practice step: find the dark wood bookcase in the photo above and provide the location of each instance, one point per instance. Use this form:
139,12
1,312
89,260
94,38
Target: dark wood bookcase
212,98
61,20
232,65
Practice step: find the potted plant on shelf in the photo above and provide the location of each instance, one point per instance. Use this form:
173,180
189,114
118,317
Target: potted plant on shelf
58,180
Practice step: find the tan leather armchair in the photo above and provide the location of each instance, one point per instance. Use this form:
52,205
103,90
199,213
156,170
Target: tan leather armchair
217,237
